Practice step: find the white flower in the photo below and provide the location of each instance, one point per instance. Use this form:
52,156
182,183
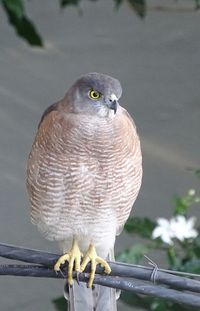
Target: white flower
191,192
163,231
177,227
197,199
183,228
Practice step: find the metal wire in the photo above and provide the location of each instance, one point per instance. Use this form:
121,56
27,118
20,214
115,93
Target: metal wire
123,276
118,269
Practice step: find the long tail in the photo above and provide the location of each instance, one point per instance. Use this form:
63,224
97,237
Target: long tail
81,298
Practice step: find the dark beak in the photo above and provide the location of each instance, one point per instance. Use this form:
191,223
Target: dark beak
112,102
113,105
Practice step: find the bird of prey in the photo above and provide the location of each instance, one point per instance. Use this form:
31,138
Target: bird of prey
84,174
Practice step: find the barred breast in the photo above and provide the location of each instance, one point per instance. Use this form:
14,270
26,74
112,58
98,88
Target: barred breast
83,176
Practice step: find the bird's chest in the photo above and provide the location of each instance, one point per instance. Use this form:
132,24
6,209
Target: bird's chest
98,157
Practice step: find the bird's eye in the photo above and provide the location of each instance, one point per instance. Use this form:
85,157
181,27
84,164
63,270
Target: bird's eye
94,94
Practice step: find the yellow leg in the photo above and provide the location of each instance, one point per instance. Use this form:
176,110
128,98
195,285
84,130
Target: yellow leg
74,258
91,256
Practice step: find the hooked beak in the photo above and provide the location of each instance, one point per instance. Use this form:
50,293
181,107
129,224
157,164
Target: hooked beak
113,102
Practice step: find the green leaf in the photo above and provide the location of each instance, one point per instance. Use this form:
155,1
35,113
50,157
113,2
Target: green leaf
197,4
191,247
60,304
173,259
23,26
118,3
150,303
197,173
133,254
64,3
159,305
183,203
191,266
136,300
17,7
180,206
164,305
196,246
139,6
141,226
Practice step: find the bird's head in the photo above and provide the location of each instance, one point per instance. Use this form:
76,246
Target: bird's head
95,94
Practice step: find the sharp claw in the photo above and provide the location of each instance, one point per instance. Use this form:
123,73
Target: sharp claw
92,274
91,256
62,274
60,262
107,269
77,277
70,281
90,283
73,258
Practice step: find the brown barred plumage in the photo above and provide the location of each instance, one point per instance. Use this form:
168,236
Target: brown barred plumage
84,172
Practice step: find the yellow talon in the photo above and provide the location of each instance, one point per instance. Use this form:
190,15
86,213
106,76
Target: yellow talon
91,256
73,258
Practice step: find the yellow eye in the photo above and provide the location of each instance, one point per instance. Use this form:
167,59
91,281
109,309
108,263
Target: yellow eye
94,94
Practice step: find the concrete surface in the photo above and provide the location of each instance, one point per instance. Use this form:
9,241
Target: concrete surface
157,61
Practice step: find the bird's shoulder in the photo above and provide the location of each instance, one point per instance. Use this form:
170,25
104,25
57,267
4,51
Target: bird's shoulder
56,116
47,112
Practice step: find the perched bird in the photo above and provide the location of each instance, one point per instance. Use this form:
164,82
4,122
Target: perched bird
84,174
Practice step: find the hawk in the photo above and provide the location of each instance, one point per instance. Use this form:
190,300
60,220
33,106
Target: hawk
84,174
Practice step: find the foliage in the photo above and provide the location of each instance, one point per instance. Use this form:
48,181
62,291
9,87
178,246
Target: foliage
60,304
64,3
133,254
25,28
150,303
139,6
183,254
141,226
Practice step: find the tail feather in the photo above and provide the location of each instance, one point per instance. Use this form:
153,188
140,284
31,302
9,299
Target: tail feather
81,298
98,299
106,299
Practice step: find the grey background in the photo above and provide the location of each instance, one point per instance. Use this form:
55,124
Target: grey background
157,61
